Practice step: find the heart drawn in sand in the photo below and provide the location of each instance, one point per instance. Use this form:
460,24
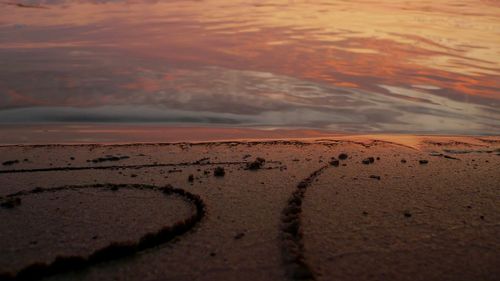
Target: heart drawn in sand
114,250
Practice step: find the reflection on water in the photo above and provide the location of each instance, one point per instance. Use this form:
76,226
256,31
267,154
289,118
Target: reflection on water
353,66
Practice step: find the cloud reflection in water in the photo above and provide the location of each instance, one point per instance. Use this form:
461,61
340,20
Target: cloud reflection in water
342,65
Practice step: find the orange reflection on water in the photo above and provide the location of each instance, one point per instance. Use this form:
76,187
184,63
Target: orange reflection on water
446,48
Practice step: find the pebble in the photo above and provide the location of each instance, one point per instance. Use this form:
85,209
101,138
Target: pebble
219,172
335,162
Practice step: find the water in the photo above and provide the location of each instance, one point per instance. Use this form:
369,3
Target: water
346,66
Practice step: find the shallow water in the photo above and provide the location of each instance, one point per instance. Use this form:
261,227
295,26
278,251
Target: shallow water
346,66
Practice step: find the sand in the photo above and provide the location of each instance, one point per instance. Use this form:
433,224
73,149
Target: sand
421,208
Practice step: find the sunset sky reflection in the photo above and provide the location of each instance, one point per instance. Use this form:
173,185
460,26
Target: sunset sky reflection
369,66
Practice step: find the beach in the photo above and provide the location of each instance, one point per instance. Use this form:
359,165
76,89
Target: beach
347,207
250,140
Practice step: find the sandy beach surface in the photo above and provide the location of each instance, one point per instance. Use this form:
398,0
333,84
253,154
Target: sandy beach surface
333,208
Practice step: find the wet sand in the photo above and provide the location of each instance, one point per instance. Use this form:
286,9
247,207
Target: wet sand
332,208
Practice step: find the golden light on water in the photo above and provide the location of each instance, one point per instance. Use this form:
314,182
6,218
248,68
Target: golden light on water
449,48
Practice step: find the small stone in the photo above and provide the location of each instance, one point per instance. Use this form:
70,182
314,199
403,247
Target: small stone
257,164
334,162
403,160
219,172
343,156
375,177
191,178
423,161
367,161
239,236
407,214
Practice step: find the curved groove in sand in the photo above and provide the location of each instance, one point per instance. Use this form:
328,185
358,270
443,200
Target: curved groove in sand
114,250
370,143
292,244
117,167
21,5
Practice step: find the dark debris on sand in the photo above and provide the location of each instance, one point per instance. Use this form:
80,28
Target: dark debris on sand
443,155
368,160
10,162
257,164
334,162
108,158
219,172
239,236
